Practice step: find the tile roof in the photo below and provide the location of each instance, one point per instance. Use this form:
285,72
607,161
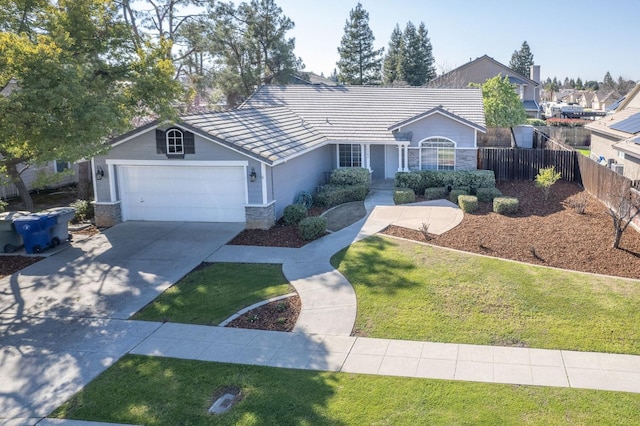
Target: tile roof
365,113
271,134
608,124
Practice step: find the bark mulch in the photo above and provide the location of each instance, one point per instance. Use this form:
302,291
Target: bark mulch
550,233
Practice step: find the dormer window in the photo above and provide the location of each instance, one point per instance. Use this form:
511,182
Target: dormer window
175,142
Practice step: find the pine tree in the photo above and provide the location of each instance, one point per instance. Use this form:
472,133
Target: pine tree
579,84
359,62
521,60
392,67
608,83
418,58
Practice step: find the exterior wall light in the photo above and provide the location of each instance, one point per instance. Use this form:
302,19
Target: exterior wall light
253,175
99,173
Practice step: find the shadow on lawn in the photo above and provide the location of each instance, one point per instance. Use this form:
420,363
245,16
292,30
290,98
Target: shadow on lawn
369,266
167,391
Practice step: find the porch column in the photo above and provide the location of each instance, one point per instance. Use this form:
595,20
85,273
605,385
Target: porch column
367,149
406,158
399,157
111,169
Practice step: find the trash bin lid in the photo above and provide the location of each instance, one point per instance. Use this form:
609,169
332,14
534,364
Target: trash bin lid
9,216
59,211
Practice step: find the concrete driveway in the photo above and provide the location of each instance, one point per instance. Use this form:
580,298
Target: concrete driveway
63,320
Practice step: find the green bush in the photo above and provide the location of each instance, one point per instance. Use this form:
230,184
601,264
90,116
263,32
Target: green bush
453,195
419,181
404,196
486,195
411,180
536,122
311,228
505,205
466,189
468,203
84,210
333,195
435,193
351,176
294,213
545,180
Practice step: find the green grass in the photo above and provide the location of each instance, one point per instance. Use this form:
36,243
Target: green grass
211,294
417,292
583,151
164,391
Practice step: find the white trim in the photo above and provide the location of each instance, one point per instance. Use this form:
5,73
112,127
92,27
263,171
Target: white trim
263,180
133,135
472,125
261,205
166,137
184,163
105,203
93,179
111,174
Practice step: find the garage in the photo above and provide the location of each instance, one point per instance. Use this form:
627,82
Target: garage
190,193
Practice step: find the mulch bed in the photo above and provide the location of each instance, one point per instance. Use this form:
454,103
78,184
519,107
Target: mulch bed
12,264
280,315
548,233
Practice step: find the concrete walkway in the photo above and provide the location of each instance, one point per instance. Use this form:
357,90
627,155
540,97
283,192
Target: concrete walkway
328,301
490,364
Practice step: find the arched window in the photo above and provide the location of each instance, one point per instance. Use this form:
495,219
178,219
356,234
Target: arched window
437,154
175,142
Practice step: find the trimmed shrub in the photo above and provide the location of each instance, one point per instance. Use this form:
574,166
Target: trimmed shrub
486,195
453,195
294,213
311,228
435,193
420,180
332,195
466,189
468,203
404,196
351,176
411,180
505,205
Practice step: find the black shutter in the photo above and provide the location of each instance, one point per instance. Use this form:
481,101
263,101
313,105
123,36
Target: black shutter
188,139
161,142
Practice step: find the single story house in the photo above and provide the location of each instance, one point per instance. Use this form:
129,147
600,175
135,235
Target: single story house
247,164
485,67
615,138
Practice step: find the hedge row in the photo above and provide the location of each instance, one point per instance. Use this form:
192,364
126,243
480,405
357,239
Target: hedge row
421,180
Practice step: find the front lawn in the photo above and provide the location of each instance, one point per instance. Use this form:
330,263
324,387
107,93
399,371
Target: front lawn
212,293
417,292
164,391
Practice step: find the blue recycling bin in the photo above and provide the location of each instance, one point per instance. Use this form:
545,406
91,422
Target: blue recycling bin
36,231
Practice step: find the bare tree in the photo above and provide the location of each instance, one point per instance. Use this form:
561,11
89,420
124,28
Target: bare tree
624,206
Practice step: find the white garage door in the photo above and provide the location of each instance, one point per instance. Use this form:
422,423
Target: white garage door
179,193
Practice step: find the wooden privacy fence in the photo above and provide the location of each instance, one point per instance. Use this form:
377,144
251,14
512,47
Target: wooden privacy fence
525,164
600,181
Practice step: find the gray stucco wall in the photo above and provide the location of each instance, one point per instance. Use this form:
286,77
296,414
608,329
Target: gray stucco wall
602,145
143,147
439,125
303,173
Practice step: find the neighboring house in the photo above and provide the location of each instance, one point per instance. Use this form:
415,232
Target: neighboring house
603,99
564,95
584,98
484,68
615,139
31,174
246,165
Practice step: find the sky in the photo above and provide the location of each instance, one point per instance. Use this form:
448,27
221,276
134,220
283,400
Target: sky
568,39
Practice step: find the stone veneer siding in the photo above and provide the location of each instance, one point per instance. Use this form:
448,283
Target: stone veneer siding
260,217
107,214
466,159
